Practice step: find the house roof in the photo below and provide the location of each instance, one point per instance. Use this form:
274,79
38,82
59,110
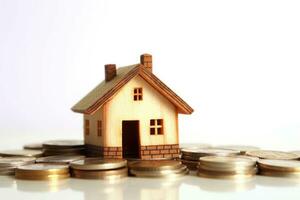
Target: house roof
107,89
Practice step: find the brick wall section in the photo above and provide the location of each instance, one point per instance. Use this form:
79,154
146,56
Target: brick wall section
105,152
160,151
169,151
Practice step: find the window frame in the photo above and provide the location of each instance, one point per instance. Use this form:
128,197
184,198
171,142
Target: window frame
86,127
99,128
138,94
156,127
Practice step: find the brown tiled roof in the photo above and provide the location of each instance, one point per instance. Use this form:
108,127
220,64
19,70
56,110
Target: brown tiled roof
106,90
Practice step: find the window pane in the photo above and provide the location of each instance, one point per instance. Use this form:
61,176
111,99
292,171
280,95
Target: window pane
159,122
140,90
135,97
152,122
152,131
160,131
140,97
135,90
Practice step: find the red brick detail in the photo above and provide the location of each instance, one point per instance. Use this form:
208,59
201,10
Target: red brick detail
105,152
160,151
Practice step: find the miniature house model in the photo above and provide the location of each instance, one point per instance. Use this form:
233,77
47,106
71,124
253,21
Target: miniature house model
132,114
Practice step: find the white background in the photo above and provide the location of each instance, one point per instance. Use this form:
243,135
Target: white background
235,62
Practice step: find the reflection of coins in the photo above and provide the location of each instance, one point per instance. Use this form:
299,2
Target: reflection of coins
100,174
63,143
34,146
243,149
274,155
63,159
98,164
42,172
22,152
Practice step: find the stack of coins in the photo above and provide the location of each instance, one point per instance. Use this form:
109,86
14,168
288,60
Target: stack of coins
273,155
161,168
61,159
21,153
63,147
243,149
97,168
281,168
33,146
42,172
227,167
190,156
9,164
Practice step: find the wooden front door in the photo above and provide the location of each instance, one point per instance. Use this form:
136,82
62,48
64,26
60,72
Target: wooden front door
131,138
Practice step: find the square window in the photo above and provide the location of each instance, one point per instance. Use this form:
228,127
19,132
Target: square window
138,94
156,127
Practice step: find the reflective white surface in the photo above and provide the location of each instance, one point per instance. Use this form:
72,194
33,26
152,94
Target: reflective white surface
188,187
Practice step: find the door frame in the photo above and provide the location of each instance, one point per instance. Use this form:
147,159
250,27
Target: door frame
138,134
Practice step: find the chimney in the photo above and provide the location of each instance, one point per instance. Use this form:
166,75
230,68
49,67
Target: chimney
110,72
146,60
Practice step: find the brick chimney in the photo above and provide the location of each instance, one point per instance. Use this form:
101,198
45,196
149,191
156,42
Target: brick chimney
146,60
110,72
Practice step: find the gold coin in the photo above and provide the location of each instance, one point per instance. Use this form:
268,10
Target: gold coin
224,176
63,143
157,172
273,155
42,169
297,153
100,174
255,159
209,152
61,159
280,165
227,161
16,161
34,146
153,165
22,152
243,149
279,173
234,170
194,146
98,164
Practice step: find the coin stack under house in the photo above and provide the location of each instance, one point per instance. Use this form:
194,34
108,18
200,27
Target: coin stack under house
227,167
97,168
9,164
42,172
161,168
63,147
190,156
280,168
